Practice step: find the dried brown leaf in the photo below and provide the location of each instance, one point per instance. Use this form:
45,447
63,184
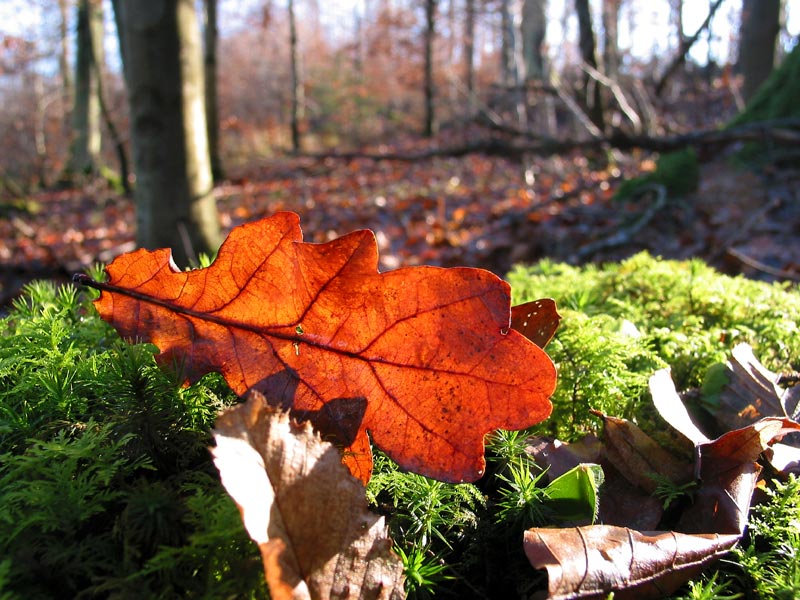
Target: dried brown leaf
728,474
307,513
591,562
637,456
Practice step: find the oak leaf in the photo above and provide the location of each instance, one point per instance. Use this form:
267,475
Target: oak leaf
422,358
306,512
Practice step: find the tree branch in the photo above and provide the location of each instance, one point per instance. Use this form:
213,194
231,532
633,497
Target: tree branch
782,131
685,46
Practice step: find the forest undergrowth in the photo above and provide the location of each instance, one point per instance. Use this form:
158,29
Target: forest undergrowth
107,487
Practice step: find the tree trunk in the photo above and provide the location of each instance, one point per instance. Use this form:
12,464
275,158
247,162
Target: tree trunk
430,33
63,59
212,105
298,95
507,43
758,33
469,55
85,148
534,30
592,97
610,38
175,206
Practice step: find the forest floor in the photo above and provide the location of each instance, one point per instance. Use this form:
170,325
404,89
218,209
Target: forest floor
469,211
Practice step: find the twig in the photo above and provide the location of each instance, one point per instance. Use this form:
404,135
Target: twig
744,230
760,266
685,46
619,96
624,235
579,113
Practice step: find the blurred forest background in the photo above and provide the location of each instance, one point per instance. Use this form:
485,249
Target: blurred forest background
462,132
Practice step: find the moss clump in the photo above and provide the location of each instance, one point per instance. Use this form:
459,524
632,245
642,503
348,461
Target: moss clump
106,485
622,321
678,172
775,101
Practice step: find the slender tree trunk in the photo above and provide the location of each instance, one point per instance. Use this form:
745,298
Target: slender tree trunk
592,96
758,34
469,55
430,33
63,59
506,43
212,105
39,136
175,206
86,116
611,38
534,30
298,95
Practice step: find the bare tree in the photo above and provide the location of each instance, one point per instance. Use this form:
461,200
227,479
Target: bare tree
175,206
63,59
430,33
591,96
758,34
469,54
610,38
534,31
212,105
86,115
298,93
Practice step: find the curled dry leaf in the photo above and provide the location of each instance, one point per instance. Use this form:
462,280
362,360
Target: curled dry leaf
726,467
637,456
306,512
422,358
728,475
590,562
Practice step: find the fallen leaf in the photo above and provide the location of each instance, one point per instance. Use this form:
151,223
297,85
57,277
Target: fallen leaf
593,561
306,512
422,358
637,456
536,320
728,474
573,496
620,502
671,408
727,466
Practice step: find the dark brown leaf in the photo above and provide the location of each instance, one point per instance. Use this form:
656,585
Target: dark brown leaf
593,561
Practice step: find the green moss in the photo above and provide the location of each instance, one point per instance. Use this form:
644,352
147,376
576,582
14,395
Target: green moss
106,483
775,101
624,320
777,96
678,172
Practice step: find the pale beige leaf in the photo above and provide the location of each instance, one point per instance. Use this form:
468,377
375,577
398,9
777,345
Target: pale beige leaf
307,513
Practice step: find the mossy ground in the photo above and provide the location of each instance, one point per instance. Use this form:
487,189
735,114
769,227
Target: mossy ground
107,488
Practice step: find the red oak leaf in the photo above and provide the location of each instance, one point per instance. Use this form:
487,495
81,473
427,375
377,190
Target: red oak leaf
422,358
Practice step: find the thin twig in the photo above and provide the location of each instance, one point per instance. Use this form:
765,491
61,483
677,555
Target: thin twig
619,95
760,266
624,235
